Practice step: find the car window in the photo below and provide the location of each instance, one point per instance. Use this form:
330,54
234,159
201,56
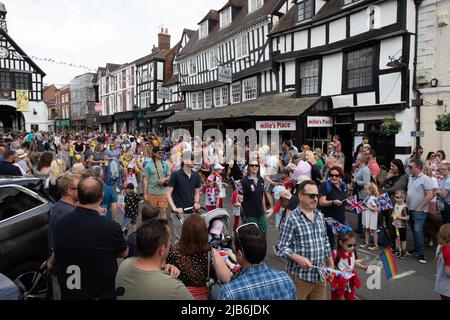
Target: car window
14,201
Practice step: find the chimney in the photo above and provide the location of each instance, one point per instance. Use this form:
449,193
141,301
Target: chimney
164,40
155,49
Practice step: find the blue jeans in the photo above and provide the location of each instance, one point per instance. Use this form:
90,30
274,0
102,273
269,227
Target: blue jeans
418,220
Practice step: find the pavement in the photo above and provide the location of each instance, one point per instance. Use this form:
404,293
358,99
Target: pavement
415,281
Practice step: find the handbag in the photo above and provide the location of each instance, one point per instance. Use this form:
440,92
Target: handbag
213,286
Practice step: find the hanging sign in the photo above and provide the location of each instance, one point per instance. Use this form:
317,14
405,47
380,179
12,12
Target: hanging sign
320,122
22,101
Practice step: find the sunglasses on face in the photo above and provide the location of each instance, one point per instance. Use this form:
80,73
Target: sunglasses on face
350,245
335,175
254,166
396,197
312,196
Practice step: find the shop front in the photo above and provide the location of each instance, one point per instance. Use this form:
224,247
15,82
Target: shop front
126,121
106,123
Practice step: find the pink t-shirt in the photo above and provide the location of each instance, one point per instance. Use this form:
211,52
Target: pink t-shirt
374,169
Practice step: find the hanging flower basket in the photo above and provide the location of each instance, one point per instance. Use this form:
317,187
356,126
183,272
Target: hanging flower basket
390,127
443,122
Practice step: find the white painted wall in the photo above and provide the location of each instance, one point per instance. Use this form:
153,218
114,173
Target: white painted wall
388,13
300,40
331,74
390,47
342,101
359,23
318,36
390,88
411,16
290,72
160,74
337,30
404,139
281,47
289,43
366,99
319,4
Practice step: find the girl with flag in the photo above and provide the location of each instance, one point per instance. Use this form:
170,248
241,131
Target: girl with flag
345,260
370,215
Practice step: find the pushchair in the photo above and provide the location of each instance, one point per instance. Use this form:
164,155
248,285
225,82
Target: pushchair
224,239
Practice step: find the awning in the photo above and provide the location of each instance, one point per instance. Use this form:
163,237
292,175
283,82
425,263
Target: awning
279,105
105,119
125,115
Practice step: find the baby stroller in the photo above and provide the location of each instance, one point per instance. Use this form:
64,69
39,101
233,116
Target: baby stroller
218,222
224,238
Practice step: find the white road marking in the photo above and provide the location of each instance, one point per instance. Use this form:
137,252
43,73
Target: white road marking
404,274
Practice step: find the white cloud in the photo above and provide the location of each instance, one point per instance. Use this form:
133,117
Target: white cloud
94,32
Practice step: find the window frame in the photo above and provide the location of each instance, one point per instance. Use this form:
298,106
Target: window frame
29,193
203,29
299,78
304,3
191,72
220,97
371,87
215,65
228,14
239,48
255,89
206,105
254,5
233,94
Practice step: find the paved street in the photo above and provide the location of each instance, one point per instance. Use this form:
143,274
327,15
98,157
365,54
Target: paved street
415,280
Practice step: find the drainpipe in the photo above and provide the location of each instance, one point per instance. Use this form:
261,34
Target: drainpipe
418,93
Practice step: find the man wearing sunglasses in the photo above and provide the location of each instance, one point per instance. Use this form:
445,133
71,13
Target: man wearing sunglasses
257,281
304,243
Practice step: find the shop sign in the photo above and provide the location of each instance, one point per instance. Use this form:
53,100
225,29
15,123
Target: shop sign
164,93
65,123
98,107
225,74
320,122
282,125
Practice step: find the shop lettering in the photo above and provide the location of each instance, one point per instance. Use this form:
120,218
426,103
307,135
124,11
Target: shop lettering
319,122
276,125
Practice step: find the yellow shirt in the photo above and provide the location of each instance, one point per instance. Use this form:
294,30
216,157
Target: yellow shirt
71,151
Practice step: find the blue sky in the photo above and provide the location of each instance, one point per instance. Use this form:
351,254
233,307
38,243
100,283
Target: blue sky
94,32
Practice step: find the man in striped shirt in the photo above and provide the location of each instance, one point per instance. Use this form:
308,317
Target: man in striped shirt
304,243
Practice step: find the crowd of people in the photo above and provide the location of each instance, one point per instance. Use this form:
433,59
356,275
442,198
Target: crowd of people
96,179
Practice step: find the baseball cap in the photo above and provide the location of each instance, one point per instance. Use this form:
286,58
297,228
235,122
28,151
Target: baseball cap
158,149
130,186
218,167
295,157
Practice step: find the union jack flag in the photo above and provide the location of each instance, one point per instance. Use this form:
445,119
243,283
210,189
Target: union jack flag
357,206
384,202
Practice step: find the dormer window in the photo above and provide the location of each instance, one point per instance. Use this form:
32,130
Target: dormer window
204,29
305,10
254,5
225,18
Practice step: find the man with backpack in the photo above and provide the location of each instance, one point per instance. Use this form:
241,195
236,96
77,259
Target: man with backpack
156,177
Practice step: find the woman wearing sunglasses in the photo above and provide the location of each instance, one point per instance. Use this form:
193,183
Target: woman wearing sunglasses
253,205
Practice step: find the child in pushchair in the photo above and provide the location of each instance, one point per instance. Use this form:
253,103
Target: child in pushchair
217,222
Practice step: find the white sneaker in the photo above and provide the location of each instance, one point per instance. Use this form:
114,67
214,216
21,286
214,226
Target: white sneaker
364,246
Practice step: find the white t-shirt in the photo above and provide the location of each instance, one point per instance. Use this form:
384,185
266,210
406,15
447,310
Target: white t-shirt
435,186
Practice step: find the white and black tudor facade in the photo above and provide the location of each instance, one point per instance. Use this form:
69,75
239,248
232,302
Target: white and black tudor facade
18,73
318,67
357,58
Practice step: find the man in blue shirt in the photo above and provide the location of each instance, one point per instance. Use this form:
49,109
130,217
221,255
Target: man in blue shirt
109,202
257,281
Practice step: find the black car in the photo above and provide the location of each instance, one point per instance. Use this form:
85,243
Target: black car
24,216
